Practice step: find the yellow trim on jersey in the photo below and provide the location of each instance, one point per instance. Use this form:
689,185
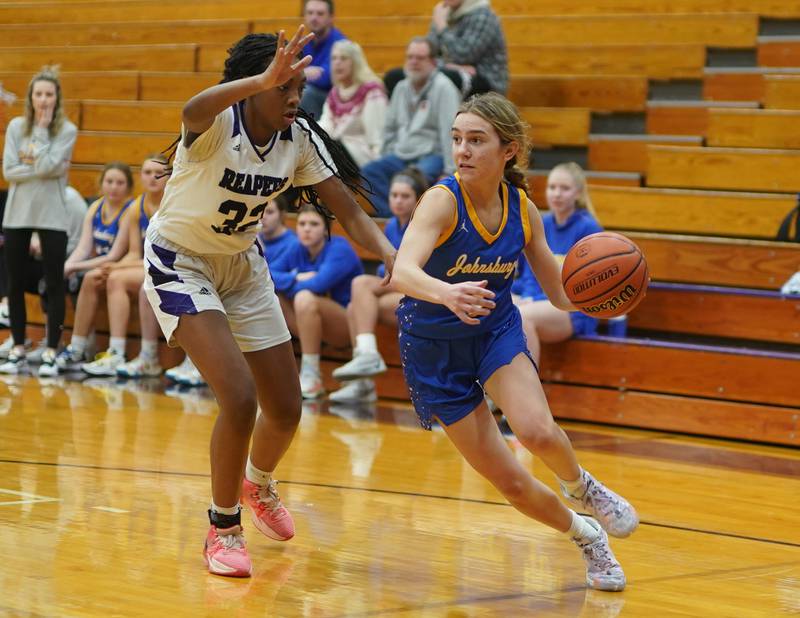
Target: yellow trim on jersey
449,231
473,215
135,214
103,212
523,211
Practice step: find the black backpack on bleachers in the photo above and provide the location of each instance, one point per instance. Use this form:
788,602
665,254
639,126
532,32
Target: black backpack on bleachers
788,231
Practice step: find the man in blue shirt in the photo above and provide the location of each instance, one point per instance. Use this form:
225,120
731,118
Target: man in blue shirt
318,16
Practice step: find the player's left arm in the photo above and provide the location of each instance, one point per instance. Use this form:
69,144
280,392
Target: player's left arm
358,224
543,263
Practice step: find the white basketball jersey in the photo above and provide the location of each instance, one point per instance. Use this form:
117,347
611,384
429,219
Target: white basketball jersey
222,183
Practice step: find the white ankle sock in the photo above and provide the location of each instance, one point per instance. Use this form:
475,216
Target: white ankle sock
310,362
583,529
254,475
366,342
575,488
78,344
225,510
117,344
149,349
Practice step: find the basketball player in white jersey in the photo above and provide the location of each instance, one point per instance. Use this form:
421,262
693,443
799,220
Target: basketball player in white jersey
243,142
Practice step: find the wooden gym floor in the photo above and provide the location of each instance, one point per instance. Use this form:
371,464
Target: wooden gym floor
103,491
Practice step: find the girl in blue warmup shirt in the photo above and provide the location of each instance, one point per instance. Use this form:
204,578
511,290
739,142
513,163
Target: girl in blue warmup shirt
315,292
372,300
275,238
460,333
571,217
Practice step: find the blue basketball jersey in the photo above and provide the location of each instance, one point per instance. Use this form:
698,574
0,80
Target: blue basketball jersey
144,220
469,252
104,233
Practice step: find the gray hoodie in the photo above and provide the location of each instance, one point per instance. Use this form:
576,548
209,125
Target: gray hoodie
419,123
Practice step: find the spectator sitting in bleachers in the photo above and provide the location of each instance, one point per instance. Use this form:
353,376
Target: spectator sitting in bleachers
571,217
124,280
104,238
472,48
318,16
372,301
355,110
313,285
275,238
417,132
34,272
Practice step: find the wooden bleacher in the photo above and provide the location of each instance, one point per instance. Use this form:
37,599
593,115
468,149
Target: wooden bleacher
743,169
753,128
129,65
782,92
680,211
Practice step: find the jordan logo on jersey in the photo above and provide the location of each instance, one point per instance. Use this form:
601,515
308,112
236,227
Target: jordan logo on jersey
251,184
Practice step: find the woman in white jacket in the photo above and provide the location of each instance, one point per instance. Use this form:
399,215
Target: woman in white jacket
36,158
355,110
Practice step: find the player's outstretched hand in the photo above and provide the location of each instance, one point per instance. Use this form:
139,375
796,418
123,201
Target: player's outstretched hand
285,65
469,300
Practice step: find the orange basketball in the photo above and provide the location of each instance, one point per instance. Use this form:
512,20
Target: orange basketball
605,275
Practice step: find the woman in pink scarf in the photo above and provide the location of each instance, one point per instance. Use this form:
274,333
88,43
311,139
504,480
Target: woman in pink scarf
355,110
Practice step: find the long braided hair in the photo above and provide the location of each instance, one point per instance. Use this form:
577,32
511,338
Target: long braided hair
250,56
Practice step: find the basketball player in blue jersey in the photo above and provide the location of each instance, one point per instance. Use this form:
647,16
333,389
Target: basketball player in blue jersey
460,333
243,142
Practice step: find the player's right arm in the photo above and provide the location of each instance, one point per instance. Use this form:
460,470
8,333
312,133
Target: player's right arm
200,111
433,216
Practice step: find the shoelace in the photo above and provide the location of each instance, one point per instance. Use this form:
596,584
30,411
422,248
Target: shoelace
595,495
231,541
598,554
268,495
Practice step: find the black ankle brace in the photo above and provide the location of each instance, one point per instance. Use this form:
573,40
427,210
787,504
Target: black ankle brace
223,521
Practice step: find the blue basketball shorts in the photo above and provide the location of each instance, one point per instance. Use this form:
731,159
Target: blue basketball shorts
445,376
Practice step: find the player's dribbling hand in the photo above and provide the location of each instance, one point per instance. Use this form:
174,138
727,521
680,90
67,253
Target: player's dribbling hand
283,66
469,301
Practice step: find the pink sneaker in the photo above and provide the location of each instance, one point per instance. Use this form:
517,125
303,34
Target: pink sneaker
225,552
268,513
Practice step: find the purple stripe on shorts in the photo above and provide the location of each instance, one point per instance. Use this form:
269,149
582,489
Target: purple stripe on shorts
160,278
175,303
166,256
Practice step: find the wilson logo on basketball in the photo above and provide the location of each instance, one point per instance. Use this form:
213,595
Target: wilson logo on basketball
626,294
582,286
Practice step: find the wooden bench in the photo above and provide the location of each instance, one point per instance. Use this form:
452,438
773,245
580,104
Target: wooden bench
718,30
711,311
740,83
99,147
685,117
599,93
567,126
723,168
754,128
628,153
131,116
151,10
778,51
782,92
100,58
81,84
718,261
655,61
680,211
224,31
